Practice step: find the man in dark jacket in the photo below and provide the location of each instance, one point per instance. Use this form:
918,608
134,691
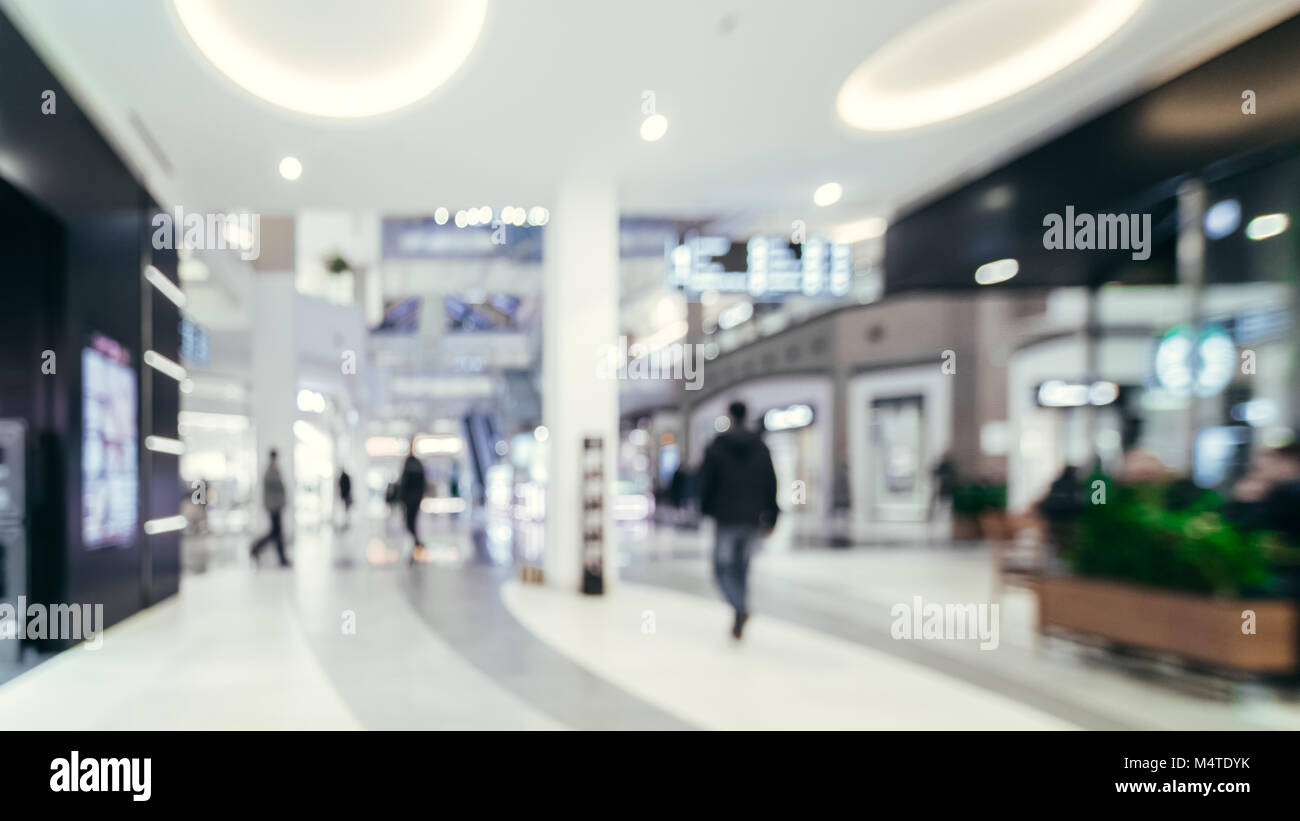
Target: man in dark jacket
412,485
738,489
345,496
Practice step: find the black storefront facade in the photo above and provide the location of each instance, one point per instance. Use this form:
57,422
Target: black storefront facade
74,245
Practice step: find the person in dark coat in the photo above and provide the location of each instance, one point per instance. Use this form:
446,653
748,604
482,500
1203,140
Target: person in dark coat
738,490
345,496
945,482
411,488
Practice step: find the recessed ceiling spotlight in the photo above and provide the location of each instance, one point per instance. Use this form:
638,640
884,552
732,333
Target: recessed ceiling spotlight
440,216
508,214
991,273
828,194
461,219
654,127
290,168
997,198
327,69
519,217
538,215
485,214
987,58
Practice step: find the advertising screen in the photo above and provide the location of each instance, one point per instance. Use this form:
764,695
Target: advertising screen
109,465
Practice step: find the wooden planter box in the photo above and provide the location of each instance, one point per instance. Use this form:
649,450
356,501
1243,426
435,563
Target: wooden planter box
1199,628
965,528
994,526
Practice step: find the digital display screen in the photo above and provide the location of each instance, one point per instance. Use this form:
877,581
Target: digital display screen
485,312
109,463
766,268
401,316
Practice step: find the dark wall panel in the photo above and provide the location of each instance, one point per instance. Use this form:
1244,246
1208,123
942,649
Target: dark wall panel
74,241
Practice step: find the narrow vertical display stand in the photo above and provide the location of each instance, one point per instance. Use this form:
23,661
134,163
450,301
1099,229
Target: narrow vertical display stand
13,534
593,516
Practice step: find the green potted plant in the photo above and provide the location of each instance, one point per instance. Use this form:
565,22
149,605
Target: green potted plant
336,264
993,512
979,510
967,502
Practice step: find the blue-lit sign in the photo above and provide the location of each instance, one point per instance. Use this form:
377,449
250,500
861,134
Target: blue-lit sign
195,347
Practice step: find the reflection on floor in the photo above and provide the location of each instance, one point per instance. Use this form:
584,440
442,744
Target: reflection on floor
354,638
226,654
672,649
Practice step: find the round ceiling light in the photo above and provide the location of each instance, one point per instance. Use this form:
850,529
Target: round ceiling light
335,60
290,168
654,127
991,50
828,194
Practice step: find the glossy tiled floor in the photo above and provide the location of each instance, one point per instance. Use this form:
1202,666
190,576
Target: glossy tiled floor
353,638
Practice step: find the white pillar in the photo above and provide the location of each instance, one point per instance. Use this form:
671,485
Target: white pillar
580,315
275,381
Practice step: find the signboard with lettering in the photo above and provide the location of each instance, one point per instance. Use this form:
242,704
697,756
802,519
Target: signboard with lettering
766,268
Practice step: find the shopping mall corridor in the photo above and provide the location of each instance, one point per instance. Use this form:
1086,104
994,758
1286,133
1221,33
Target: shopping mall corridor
352,637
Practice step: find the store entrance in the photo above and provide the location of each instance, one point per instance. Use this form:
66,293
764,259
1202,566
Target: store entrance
899,481
796,458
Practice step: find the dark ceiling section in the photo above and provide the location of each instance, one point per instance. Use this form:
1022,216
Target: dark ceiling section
1129,160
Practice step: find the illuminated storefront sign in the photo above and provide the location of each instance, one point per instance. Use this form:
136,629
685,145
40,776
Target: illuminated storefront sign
195,346
1195,363
1056,393
795,416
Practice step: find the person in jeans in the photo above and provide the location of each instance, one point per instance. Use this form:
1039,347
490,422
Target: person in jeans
273,499
738,490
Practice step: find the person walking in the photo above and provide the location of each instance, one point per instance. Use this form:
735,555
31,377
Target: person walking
738,490
411,488
944,476
345,495
273,499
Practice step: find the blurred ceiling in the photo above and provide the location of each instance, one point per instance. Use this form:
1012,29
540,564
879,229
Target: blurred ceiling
749,90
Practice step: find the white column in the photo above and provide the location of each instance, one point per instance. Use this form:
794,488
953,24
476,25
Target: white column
275,380
580,315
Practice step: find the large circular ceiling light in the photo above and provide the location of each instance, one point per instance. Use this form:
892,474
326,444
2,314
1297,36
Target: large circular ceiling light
335,59
973,54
